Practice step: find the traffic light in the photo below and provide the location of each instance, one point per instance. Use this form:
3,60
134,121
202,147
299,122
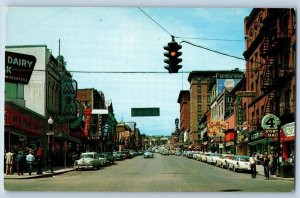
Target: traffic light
173,56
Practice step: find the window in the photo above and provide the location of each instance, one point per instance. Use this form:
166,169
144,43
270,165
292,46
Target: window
208,99
199,109
199,99
199,89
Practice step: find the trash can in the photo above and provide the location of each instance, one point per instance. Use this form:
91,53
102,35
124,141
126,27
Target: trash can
285,170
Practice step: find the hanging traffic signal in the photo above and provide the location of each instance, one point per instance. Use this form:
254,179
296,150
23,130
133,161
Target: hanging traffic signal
173,56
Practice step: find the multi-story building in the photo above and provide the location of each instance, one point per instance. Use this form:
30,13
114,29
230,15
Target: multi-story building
270,36
41,99
100,122
184,101
201,94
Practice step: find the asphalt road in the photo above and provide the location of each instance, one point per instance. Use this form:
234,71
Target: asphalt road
160,174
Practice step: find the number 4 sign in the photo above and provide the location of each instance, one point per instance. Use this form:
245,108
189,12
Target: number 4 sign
270,121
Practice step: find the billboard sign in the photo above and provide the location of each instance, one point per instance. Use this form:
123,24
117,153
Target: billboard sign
18,67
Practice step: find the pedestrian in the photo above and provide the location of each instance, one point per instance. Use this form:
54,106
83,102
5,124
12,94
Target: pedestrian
20,159
265,163
39,154
30,160
274,163
252,161
9,162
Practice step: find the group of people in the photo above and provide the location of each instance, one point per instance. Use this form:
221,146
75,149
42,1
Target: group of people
19,162
265,162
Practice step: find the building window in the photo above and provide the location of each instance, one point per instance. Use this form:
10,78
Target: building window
199,89
199,99
208,99
200,109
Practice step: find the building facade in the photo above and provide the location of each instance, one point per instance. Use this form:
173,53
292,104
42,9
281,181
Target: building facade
270,71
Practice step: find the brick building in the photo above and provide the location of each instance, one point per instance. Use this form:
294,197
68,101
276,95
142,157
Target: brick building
270,36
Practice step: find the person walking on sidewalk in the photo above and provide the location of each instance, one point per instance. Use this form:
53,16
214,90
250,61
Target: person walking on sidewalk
252,161
9,159
30,159
39,154
265,163
20,159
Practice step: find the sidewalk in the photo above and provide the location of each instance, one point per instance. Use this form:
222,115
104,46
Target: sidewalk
46,173
260,171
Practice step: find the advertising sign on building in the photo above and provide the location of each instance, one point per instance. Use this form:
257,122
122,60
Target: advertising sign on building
289,129
215,126
68,96
18,67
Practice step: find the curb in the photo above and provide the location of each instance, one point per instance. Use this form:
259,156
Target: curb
35,176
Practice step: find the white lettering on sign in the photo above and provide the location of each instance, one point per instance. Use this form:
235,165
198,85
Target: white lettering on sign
19,62
8,69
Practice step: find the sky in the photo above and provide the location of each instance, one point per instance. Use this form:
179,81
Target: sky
125,39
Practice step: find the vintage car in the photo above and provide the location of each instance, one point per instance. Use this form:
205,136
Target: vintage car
89,160
117,155
223,160
239,163
109,157
211,159
148,154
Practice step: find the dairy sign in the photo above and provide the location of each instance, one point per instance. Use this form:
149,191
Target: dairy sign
18,67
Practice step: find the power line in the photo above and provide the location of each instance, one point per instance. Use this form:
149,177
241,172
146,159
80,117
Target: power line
215,51
210,39
155,21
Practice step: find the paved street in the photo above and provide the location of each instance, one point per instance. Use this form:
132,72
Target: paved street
160,174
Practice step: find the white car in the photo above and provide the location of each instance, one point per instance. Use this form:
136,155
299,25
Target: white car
239,163
89,160
197,156
223,160
211,159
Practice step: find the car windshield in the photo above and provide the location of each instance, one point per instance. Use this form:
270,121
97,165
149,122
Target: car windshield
87,156
243,159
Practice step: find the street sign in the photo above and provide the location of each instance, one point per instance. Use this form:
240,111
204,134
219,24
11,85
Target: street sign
135,112
18,67
270,121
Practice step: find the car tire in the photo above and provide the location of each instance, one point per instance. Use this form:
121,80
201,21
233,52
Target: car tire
234,169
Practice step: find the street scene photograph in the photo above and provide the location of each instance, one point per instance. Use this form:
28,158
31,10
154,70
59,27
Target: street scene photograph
149,99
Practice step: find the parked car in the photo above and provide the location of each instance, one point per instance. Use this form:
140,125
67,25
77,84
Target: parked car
108,156
89,160
211,159
190,154
117,155
204,157
223,160
148,154
178,153
239,163
196,156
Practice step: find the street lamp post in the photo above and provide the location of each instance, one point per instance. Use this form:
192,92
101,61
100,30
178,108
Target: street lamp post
50,141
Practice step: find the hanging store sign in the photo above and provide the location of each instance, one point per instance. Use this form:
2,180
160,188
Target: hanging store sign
88,113
270,121
245,93
68,96
289,129
18,67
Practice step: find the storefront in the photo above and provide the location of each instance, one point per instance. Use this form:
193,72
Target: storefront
259,144
24,129
229,142
287,137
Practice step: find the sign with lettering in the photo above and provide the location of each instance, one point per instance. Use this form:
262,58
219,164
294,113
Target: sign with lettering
289,129
270,121
246,93
68,96
270,133
18,67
